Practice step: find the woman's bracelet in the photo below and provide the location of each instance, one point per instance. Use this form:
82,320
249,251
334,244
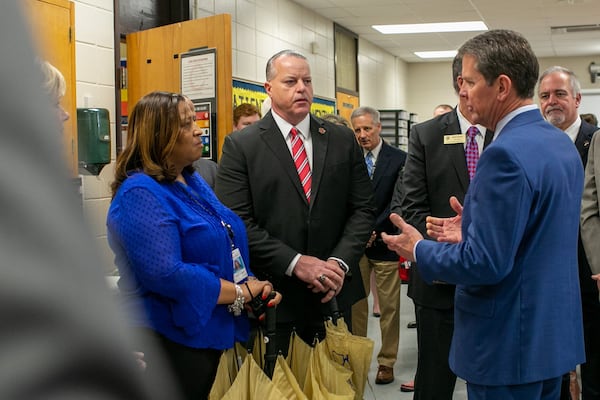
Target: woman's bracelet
249,291
238,304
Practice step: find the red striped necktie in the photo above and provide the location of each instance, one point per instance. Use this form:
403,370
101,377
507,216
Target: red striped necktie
301,162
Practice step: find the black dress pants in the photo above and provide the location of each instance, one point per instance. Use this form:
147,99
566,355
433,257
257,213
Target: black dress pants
434,380
590,370
193,370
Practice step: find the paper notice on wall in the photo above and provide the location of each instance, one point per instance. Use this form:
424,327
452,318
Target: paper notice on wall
198,77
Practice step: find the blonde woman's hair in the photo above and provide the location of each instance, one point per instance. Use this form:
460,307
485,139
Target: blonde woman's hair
54,82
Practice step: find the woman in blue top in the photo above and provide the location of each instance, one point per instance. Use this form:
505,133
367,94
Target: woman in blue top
181,254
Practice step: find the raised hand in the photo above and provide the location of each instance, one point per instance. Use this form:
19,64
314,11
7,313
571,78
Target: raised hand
446,229
404,243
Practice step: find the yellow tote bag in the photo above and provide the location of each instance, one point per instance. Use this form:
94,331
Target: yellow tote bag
229,364
350,351
285,381
252,384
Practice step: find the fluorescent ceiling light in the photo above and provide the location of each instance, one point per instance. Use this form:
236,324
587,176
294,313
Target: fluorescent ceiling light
467,26
436,54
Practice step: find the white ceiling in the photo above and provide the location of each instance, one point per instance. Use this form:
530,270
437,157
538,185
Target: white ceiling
532,18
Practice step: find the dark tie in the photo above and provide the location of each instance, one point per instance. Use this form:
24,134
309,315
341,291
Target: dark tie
472,151
370,164
301,162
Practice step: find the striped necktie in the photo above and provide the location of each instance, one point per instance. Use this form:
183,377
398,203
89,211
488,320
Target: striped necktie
370,164
301,162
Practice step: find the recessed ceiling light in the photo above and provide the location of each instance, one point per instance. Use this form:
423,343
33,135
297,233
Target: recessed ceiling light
436,54
467,26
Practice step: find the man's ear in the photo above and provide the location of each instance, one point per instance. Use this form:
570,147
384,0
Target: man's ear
504,86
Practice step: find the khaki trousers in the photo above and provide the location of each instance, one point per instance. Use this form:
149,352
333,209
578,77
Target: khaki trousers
388,284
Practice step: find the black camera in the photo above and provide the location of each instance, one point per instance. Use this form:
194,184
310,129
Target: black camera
258,305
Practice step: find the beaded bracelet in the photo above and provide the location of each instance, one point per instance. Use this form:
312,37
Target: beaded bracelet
238,304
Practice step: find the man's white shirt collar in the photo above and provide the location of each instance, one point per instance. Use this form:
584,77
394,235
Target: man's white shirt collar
573,130
502,123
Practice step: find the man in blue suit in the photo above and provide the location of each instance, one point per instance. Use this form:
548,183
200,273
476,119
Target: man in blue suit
514,259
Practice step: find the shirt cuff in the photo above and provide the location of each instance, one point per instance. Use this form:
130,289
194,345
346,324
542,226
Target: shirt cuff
290,269
342,264
415,249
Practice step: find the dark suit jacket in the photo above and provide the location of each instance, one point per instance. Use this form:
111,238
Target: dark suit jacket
517,309
207,169
387,171
433,172
258,180
582,143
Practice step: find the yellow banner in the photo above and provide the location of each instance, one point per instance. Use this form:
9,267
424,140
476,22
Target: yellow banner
244,95
245,92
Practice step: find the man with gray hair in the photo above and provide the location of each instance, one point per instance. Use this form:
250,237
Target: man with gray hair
559,92
512,249
301,186
384,165
437,167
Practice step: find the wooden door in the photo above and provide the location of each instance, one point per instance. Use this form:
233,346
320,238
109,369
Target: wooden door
153,62
53,23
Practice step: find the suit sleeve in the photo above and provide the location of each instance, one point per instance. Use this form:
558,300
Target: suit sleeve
382,220
397,195
491,238
361,212
412,195
233,189
590,213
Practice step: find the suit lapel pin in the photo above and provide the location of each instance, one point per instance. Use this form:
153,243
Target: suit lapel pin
322,131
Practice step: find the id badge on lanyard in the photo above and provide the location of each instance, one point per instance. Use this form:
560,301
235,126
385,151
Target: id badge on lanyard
239,268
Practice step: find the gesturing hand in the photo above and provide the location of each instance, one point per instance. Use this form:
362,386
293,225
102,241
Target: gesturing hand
446,229
597,279
404,243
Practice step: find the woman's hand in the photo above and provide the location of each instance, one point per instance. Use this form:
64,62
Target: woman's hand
263,289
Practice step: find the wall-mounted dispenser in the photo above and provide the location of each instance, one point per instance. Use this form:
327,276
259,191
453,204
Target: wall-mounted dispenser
93,136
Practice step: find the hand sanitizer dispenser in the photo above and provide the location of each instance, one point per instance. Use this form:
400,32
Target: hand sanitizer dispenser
93,138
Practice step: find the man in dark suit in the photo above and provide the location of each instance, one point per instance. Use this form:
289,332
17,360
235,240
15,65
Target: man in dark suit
559,92
384,166
301,186
435,170
514,254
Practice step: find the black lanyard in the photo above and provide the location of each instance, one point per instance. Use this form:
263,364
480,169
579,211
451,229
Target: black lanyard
210,210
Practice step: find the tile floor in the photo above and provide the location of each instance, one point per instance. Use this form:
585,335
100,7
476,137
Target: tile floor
407,357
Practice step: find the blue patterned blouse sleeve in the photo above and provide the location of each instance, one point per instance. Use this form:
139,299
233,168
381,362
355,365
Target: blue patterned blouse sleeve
151,238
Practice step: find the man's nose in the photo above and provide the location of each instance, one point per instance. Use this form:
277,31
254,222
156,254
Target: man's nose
64,115
300,86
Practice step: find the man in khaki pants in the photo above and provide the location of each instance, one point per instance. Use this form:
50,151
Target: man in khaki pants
384,165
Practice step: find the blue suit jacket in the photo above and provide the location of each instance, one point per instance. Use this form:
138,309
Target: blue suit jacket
516,268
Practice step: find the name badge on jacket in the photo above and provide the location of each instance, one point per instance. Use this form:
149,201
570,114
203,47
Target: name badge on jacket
454,139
